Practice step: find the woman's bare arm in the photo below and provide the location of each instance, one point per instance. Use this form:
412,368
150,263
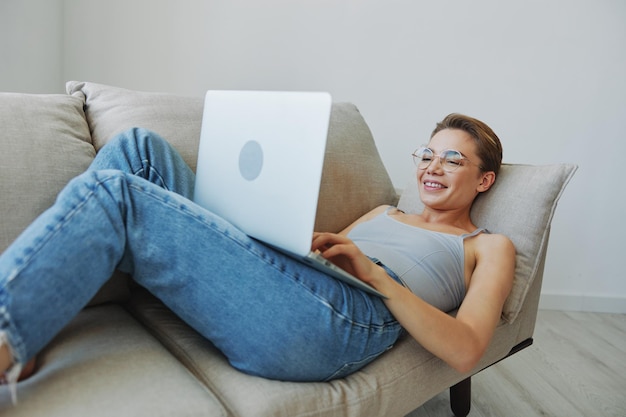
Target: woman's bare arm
462,340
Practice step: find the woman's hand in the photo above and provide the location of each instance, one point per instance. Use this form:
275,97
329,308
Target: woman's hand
342,252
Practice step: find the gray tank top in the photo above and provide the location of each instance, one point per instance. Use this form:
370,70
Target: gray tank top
431,264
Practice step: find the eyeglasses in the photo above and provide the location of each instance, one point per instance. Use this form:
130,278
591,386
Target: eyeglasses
449,159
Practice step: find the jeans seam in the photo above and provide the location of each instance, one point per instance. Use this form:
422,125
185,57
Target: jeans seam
146,167
182,208
23,260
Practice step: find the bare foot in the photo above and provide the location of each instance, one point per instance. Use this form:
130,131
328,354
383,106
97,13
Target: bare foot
29,368
27,371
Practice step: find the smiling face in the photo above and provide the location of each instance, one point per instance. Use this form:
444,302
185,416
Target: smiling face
456,190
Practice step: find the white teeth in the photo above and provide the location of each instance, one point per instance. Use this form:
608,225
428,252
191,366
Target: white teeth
433,185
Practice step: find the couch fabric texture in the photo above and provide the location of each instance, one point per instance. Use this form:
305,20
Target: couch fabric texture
127,354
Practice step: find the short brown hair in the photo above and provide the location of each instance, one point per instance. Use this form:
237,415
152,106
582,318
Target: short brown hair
488,144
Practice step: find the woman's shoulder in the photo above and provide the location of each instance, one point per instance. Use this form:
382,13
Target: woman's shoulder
493,243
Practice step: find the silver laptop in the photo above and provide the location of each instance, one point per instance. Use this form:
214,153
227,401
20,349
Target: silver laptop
260,165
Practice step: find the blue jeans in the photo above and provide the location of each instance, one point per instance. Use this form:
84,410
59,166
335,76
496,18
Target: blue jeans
270,315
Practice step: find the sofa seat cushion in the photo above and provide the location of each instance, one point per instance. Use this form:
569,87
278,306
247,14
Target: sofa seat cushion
44,142
106,364
395,384
354,179
520,205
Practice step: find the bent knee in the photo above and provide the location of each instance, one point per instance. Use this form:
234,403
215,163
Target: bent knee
140,137
90,182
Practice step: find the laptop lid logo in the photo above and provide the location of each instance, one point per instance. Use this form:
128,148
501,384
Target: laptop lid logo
251,160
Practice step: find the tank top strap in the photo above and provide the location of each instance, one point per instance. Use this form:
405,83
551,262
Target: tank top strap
474,233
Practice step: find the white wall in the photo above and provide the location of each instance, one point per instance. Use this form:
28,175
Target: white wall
31,46
548,76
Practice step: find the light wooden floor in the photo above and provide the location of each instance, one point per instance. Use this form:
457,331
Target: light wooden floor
576,367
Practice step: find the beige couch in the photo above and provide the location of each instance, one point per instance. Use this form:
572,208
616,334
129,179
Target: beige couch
128,355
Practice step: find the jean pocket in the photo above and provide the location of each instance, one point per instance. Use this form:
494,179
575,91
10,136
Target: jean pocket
351,367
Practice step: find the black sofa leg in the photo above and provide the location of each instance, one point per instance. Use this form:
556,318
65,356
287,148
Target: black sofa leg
461,397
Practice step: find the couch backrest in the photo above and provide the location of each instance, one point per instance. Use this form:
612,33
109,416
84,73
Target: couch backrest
44,142
354,179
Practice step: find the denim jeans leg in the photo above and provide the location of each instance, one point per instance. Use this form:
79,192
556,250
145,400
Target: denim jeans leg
144,153
270,315
136,151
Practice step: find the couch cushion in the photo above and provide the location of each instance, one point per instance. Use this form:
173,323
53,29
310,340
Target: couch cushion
520,205
44,142
106,364
354,179
398,382
112,110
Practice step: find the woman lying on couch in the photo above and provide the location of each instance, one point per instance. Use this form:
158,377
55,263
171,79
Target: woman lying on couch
269,314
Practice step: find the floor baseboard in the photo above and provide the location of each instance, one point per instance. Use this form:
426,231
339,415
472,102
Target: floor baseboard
584,303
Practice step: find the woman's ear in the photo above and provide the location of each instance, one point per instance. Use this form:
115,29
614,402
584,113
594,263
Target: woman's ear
487,180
